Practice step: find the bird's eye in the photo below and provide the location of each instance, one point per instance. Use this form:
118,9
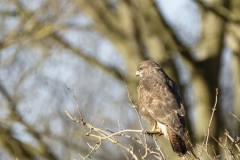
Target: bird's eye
140,68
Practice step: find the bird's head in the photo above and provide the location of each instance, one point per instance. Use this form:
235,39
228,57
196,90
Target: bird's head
146,67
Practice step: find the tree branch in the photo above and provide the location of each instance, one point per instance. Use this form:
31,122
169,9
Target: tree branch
101,135
16,116
220,11
111,71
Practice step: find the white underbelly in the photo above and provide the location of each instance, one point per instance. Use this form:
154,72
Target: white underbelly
163,128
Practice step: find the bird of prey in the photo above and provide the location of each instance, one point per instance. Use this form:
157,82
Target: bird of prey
160,101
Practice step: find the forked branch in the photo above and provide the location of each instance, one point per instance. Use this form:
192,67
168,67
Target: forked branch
100,134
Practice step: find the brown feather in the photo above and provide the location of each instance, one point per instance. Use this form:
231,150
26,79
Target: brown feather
177,142
160,101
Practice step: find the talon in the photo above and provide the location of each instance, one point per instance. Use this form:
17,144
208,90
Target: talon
155,131
144,132
152,133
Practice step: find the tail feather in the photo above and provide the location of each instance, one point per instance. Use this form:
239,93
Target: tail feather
177,142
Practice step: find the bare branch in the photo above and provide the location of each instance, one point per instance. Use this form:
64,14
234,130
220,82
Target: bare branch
80,114
101,135
235,142
111,71
220,11
225,147
209,125
235,116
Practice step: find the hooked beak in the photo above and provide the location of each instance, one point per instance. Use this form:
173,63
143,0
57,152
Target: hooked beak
137,73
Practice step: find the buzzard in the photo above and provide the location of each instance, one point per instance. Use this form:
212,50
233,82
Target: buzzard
160,101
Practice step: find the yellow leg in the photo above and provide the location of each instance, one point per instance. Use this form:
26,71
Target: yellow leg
155,128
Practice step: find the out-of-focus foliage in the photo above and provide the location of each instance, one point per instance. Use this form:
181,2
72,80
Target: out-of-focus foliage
87,45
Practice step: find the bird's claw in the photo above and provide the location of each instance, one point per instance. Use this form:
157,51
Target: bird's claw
152,133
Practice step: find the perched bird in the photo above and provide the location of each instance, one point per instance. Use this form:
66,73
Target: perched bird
160,101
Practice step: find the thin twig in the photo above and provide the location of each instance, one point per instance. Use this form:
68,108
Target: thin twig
235,116
209,125
101,124
139,118
80,114
161,155
225,147
129,95
232,140
102,134
191,150
80,155
125,155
